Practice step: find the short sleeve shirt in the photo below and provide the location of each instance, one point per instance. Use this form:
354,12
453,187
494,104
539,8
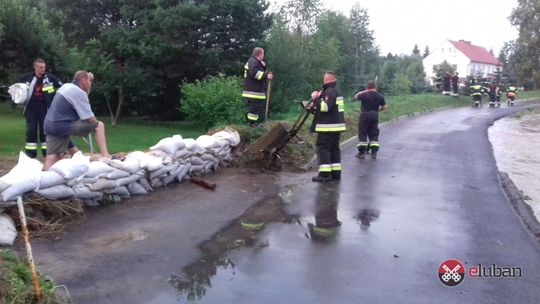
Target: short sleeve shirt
371,101
70,104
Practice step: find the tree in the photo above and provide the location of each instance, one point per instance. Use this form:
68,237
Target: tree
526,58
416,74
301,15
389,71
401,85
426,52
416,50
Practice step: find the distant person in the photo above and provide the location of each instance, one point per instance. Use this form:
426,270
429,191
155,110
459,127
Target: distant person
446,83
499,92
329,122
41,90
455,84
70,114
254,93
476,92
371,103
493,91
511,93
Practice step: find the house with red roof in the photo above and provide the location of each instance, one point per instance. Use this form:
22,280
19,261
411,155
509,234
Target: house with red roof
467,58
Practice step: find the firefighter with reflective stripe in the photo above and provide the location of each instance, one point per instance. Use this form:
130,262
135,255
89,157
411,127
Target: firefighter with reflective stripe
328,123
511,93
41,89
254,93
493,92
371,103
327,224
476,93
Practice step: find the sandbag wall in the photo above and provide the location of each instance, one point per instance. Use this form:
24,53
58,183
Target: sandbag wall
172,159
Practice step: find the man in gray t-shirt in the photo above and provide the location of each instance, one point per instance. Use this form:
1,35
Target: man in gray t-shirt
70,114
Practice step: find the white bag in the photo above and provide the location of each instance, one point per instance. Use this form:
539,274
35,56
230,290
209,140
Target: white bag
98,168
49,179
127,180
207,142
24,177
229,135
18,92
136,189
116,174
56,192
8,233
3,186
182,154
102,184
185,169
193,146
169,145
145,184
123,192
74,167
84,192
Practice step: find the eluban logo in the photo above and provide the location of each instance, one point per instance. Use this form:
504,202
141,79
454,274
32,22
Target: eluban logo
451,272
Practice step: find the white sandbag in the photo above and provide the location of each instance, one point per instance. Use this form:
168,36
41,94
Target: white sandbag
49,179
56,192
136,189
84,192
156,182
209,167
8,233
169,145
230,135
146,160
195,161
130,165
123,192
127,180
18,92
193,146
145,184
207,141
3,185
182,154
196,168
82,181
73,167
98,168
163,171
103,184
209,157
185,170
116,174
26,168
168,179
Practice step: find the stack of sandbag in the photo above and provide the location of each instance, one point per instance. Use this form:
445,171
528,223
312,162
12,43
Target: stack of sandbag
23,178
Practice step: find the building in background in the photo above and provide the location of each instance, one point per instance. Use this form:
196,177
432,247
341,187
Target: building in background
467,59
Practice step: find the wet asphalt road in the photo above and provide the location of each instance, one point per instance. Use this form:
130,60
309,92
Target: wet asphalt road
432,195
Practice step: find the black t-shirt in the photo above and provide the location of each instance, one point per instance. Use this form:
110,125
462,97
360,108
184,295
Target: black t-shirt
37,95
371,101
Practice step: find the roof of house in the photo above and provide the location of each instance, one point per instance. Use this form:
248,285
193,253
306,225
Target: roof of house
475,53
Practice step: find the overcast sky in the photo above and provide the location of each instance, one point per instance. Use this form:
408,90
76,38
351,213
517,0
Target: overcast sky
399,24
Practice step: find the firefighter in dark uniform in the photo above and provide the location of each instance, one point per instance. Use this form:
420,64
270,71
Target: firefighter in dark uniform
499,93
511,93
476,92
371,103
446,83
455,84
493,91
254,93
328,123
42,87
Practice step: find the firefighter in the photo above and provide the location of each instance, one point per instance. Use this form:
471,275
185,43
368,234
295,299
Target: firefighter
371,103
499,93
511,93
493,89
254,93
329,121
455,86
476,93
42,87
446,83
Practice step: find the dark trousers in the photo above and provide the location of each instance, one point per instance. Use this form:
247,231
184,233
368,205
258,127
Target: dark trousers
368,132
328,153
256,109
35,116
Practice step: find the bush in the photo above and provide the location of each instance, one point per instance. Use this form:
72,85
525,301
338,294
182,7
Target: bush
214,101
401,85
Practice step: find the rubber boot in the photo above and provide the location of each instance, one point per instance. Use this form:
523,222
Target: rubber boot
361,152
336,175
322,177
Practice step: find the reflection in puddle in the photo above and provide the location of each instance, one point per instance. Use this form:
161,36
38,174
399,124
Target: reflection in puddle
366,216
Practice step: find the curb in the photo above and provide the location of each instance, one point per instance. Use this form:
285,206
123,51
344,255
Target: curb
523,210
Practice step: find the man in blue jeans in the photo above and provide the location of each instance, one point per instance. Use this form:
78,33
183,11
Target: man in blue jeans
70,114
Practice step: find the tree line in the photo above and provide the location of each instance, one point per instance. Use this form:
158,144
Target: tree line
144,52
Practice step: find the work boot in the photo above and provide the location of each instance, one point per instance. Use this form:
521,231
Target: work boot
336,175
361,155
322,177
374,154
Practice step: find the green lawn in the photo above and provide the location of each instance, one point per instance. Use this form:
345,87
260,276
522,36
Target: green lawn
124,137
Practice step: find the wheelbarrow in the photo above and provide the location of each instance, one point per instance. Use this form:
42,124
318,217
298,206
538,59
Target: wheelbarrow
267,147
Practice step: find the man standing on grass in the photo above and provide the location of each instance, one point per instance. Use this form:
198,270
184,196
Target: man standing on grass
254,93
371,103
41,90
329,122
70,114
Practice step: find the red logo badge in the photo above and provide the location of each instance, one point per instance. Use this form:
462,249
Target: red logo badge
451,272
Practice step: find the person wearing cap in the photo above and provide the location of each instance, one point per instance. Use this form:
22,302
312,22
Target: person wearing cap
70,114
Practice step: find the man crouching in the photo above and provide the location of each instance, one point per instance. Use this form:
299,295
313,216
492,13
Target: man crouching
70,114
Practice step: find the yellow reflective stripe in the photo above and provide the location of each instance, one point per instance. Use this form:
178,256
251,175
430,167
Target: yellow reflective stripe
246,68
330,127
336,167
325,168
324,106
251,116
48,89
253,95
340,103
362,144
324,232
43,146
259,75
30,147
